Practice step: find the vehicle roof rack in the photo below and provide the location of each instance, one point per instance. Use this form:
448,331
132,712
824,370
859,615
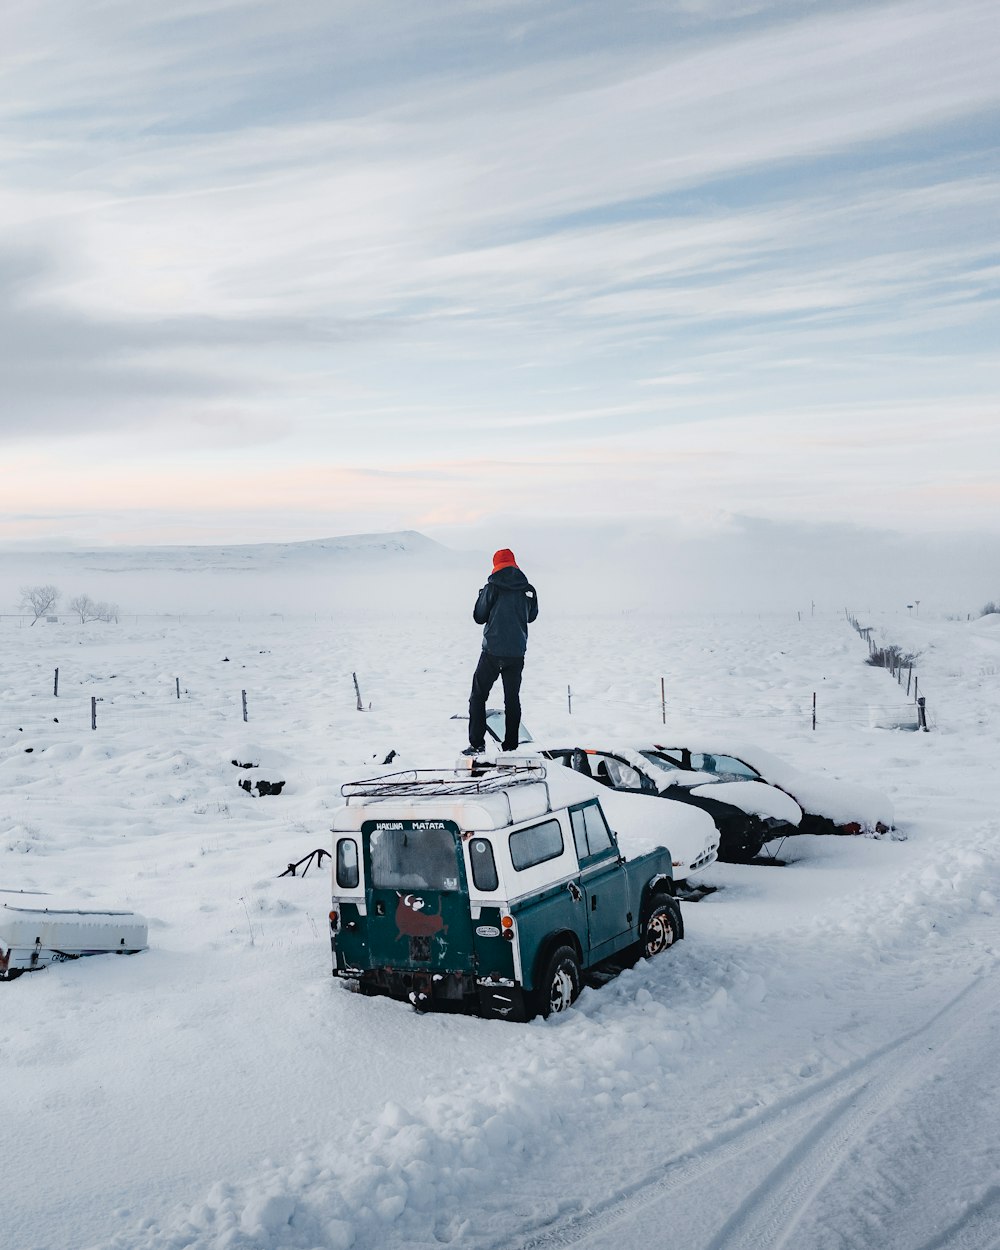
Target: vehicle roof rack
417,782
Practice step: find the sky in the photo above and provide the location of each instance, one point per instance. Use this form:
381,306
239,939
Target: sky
274,271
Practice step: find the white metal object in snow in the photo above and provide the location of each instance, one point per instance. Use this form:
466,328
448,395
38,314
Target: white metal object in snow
34,935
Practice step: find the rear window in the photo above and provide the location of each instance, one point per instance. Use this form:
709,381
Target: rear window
536,844
484,867
347,863
414,859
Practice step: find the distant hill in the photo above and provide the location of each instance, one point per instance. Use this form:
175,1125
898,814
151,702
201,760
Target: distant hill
354,569
357,550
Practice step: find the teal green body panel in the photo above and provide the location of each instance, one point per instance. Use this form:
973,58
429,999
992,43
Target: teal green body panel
558,909
416,896
494,954
611,920
350,943
601,909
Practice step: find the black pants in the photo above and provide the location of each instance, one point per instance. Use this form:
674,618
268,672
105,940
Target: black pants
489,668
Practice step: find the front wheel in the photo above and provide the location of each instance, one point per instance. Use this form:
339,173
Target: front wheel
662,927
559,984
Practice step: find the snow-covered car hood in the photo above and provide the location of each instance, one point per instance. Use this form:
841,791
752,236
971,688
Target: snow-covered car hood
842,802
756,798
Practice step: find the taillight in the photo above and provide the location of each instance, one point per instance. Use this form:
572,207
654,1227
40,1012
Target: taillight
507,924
333,919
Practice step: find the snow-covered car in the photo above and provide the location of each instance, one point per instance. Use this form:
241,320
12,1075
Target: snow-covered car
828,805
746,812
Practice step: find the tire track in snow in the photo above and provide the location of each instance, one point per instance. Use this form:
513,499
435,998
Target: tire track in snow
850,1101
978,1229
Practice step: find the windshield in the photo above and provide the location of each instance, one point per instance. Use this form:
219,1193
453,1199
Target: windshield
413,859
496,723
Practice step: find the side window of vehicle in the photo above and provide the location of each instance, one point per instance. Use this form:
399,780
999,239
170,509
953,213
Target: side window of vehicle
591,832
722,766
536,844
347,864
624,776
579,833
598,833
484,868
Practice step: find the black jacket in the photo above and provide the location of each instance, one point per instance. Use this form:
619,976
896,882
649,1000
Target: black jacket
506,605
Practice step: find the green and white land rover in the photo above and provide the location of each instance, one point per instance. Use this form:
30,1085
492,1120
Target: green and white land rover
489,888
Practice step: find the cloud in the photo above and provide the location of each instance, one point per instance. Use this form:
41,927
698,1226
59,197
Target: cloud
67,370
325,240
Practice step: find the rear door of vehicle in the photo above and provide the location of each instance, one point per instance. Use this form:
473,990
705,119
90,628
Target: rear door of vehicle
603,879
417,896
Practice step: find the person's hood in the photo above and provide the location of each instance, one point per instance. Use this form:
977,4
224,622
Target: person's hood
510,578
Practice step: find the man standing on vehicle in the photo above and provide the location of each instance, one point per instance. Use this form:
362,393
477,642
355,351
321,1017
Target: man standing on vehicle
506,606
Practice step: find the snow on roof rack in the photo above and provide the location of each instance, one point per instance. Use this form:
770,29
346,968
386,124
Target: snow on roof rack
431,782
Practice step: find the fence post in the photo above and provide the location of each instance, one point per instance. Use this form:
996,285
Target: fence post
177,681
922,713
916,690
663,698
55,685
244,693
909,675
569,700
814,709
357,691
93,711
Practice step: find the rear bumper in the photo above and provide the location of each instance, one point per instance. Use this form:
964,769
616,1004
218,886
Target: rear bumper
455,991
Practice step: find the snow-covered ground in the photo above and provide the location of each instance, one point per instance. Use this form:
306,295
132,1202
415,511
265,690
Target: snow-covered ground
813,1067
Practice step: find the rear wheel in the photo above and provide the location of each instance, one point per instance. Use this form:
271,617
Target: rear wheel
559,985
662,927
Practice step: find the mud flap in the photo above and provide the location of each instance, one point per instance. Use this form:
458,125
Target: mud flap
502,1002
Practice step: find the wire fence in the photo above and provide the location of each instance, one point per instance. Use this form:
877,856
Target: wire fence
807,711
898,663
123,712
94,703
69,715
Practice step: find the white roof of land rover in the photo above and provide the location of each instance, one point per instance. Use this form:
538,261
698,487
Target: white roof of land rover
489,798
493,798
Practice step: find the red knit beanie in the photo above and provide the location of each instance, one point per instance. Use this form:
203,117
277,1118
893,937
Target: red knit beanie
503,559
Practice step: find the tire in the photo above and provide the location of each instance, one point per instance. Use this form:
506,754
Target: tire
741,841
662,927
559,985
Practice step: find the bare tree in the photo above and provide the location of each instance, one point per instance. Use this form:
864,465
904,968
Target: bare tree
107,611
85,608
41,599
